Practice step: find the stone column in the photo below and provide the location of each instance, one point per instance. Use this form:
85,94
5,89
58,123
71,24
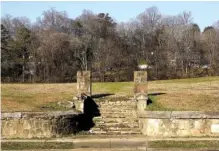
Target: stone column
83,82
83,86
141,89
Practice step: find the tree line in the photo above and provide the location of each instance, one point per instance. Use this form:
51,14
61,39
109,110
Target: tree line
55,47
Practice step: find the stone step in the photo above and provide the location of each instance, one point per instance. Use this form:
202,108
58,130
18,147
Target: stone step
126,125
115,120
117,107
106,102
117,124
112,115
121,129
124,117
117,103
115,129
105,124
123,108
117,132
118,112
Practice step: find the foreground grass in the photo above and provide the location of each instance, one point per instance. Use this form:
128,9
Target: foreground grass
151,144
200,94
183,144
35,145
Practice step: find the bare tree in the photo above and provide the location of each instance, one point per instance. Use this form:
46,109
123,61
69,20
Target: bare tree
185,18
13,24
210,40
55,20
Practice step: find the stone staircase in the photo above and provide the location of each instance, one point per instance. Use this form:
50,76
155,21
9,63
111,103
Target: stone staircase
117,118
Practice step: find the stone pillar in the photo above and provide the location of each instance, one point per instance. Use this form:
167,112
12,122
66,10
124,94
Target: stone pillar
141,89
83,86
83,83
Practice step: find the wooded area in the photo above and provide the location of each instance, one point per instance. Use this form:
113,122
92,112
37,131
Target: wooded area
56,46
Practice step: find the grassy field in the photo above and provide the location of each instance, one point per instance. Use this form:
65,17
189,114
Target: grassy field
33,145
198,94
151,144
183,144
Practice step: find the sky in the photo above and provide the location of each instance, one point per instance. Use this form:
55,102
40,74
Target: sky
204,13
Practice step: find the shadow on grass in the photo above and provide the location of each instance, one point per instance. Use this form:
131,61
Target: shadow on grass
151,97
149,101
101,95
153,104
155,94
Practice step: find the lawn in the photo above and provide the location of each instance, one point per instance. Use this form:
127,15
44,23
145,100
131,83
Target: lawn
183,144
151,144
34,145
198,94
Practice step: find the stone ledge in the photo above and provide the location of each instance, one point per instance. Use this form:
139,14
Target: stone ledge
51,114
178,115
11,115
155,114
194,115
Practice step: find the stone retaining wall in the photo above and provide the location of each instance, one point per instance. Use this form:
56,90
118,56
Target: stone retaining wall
37,124
117,117
179,123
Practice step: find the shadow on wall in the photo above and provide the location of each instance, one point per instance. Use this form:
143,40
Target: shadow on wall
73,124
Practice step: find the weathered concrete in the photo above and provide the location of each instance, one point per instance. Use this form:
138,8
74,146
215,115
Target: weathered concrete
179,124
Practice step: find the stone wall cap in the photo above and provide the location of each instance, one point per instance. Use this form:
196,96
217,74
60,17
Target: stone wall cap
194,115
11,115
38,114
179,114
155,114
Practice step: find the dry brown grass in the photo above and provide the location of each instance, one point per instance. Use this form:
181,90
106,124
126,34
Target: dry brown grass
198,95
201,94
31,97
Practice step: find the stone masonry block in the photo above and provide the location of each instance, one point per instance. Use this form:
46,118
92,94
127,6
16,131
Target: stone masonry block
83,82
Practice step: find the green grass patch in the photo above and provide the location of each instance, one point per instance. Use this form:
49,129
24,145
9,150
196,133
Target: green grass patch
35,145
108,98
53,106
154,105
183,144
113,87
